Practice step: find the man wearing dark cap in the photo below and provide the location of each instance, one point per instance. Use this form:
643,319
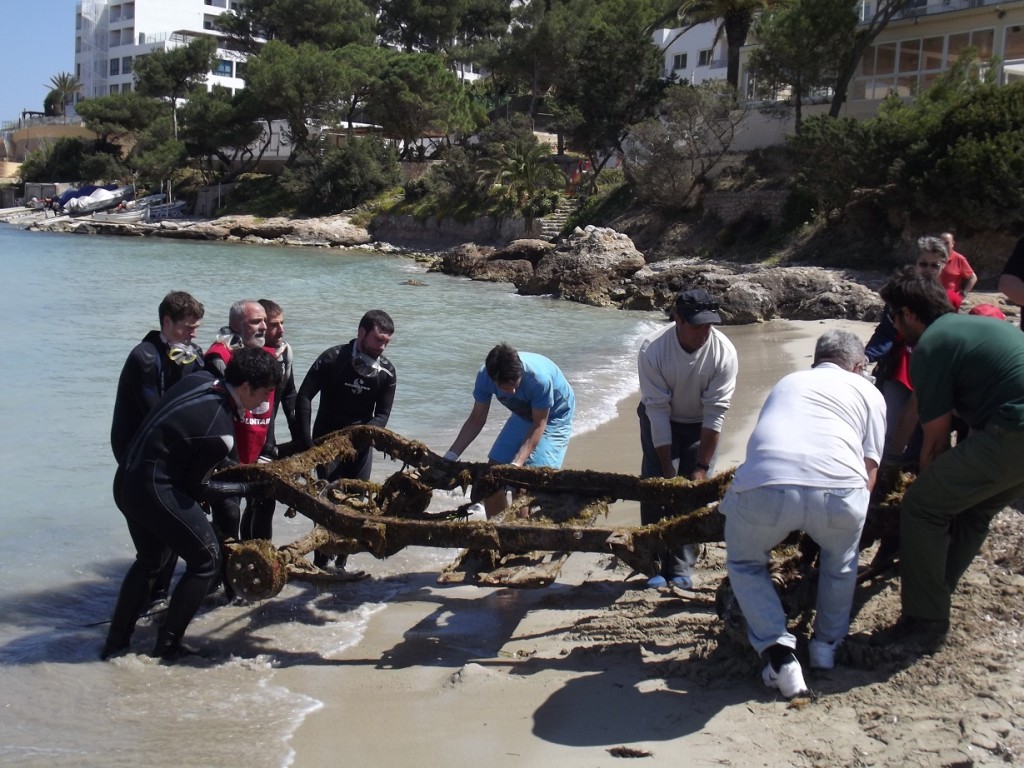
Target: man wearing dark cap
687,377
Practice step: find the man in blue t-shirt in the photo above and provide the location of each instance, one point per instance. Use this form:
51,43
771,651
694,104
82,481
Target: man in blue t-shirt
542,404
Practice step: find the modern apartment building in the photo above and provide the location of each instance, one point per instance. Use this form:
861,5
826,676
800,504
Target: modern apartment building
111,34
692,55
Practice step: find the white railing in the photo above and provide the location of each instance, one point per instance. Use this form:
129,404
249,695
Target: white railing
866,8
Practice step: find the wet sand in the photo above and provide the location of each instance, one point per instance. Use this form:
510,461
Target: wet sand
460,676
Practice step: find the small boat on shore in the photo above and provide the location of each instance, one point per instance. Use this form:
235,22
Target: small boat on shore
129,216
99,200
167,211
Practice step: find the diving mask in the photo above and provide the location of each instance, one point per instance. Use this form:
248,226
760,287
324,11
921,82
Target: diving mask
183,353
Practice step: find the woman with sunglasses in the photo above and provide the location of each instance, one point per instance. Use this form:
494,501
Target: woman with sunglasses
887,348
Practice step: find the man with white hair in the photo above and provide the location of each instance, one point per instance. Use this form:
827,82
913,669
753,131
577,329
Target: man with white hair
246,328
811,463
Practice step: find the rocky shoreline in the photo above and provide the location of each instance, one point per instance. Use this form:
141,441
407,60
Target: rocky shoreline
596,266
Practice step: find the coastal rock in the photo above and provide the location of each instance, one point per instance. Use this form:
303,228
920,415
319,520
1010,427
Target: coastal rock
203,230
525,250
333,231
505,271
752,294
602,267
485,264
586,267
463,260
253,226
329,231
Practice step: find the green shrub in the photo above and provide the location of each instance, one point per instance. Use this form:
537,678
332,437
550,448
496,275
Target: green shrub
72,160
343,178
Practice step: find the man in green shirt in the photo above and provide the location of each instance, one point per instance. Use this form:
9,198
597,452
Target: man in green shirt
973,366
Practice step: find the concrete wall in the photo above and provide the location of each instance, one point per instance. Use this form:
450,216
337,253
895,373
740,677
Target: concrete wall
24,140
209,199
731,206
432,234
9,170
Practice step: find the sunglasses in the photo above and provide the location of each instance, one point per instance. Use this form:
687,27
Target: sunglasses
694,308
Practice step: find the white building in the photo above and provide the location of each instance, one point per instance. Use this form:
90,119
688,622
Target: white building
111,34
692,55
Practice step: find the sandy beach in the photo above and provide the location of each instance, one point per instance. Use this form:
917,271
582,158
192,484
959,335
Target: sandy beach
596,667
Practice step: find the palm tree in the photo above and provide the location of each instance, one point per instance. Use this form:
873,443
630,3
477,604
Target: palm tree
733,17
517,178
65,86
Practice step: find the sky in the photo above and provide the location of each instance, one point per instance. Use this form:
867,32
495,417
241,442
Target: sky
37,41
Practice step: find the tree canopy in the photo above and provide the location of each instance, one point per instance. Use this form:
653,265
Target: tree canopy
324,24
800,45
175,73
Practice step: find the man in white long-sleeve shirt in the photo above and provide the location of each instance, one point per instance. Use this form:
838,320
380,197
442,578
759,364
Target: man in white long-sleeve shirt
687,377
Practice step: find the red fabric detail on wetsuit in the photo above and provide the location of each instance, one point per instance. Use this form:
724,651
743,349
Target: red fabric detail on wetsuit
250,428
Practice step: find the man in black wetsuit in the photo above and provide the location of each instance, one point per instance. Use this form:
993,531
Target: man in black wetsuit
163,478
158,362
356,384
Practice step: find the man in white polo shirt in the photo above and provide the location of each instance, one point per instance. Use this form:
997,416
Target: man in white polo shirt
811,463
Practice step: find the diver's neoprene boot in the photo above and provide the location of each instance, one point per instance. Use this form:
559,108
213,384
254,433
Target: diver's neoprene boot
118,644
170,648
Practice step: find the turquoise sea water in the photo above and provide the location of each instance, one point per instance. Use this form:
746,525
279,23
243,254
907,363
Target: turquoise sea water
75,306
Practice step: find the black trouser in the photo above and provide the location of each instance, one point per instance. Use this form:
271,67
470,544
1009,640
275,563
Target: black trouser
680,560
258,519
162,520
358,468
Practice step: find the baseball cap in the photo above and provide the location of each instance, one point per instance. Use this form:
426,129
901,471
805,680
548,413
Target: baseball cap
697,307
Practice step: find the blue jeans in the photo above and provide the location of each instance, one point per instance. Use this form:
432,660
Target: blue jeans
550,451
758,519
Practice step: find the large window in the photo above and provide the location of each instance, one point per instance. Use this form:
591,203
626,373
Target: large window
885,58
1013,48
679,61
704,57
115,66
910,56
126,65
906,67
222,68
931,50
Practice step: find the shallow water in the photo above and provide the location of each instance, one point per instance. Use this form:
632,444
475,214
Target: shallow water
76,307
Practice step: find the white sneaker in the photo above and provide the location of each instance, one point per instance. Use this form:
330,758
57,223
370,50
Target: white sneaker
789,679
823,655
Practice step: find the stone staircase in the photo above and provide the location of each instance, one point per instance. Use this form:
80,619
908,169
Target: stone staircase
552,224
